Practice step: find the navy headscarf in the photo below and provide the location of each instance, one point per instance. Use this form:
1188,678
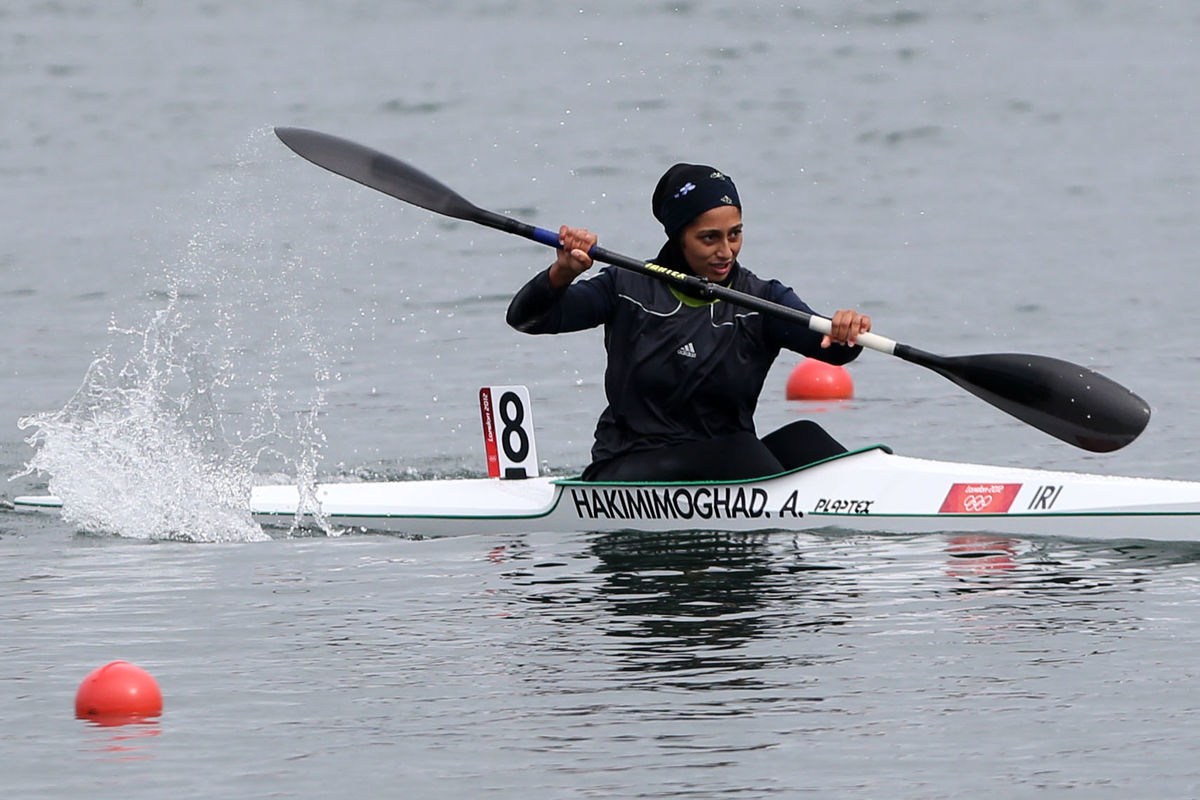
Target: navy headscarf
684,192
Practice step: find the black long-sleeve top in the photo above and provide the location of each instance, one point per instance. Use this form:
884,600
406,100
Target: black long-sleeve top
679,369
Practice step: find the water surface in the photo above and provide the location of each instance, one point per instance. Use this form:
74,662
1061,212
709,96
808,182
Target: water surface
993,178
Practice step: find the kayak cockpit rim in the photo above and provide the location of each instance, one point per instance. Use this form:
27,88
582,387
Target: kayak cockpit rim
578,481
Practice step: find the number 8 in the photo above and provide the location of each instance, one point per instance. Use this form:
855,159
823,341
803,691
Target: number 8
512,425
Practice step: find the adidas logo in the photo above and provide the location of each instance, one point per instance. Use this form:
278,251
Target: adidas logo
687,350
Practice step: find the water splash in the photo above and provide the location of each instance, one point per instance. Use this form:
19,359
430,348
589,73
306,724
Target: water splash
164,435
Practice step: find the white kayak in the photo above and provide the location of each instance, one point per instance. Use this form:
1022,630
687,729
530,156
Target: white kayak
869,490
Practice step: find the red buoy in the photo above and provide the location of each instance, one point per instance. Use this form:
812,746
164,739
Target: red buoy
816,380
119,689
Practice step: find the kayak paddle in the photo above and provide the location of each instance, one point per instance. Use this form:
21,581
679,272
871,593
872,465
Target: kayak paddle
1067,401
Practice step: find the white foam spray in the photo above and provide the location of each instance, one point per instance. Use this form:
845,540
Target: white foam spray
228,375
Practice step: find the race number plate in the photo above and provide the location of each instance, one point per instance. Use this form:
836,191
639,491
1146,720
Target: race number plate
508,432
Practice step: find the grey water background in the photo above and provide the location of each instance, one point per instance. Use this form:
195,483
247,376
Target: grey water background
979,177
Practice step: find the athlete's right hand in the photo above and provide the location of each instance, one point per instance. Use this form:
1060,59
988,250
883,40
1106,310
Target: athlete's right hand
573,259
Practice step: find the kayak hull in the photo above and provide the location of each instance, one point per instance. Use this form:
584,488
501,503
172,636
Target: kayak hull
870,490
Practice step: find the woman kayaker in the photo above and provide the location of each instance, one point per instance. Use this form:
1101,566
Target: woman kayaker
684,373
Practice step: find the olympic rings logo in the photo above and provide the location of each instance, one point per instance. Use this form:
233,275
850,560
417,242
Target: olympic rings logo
979,497
977,502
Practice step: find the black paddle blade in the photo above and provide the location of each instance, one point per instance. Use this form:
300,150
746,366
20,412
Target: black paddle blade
1067,401
379,171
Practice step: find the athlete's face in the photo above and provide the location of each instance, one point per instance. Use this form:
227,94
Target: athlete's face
712,241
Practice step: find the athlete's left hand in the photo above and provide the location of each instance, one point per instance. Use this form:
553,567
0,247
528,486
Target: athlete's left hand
847,325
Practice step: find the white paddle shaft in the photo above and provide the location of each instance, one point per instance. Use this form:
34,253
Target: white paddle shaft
872,341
